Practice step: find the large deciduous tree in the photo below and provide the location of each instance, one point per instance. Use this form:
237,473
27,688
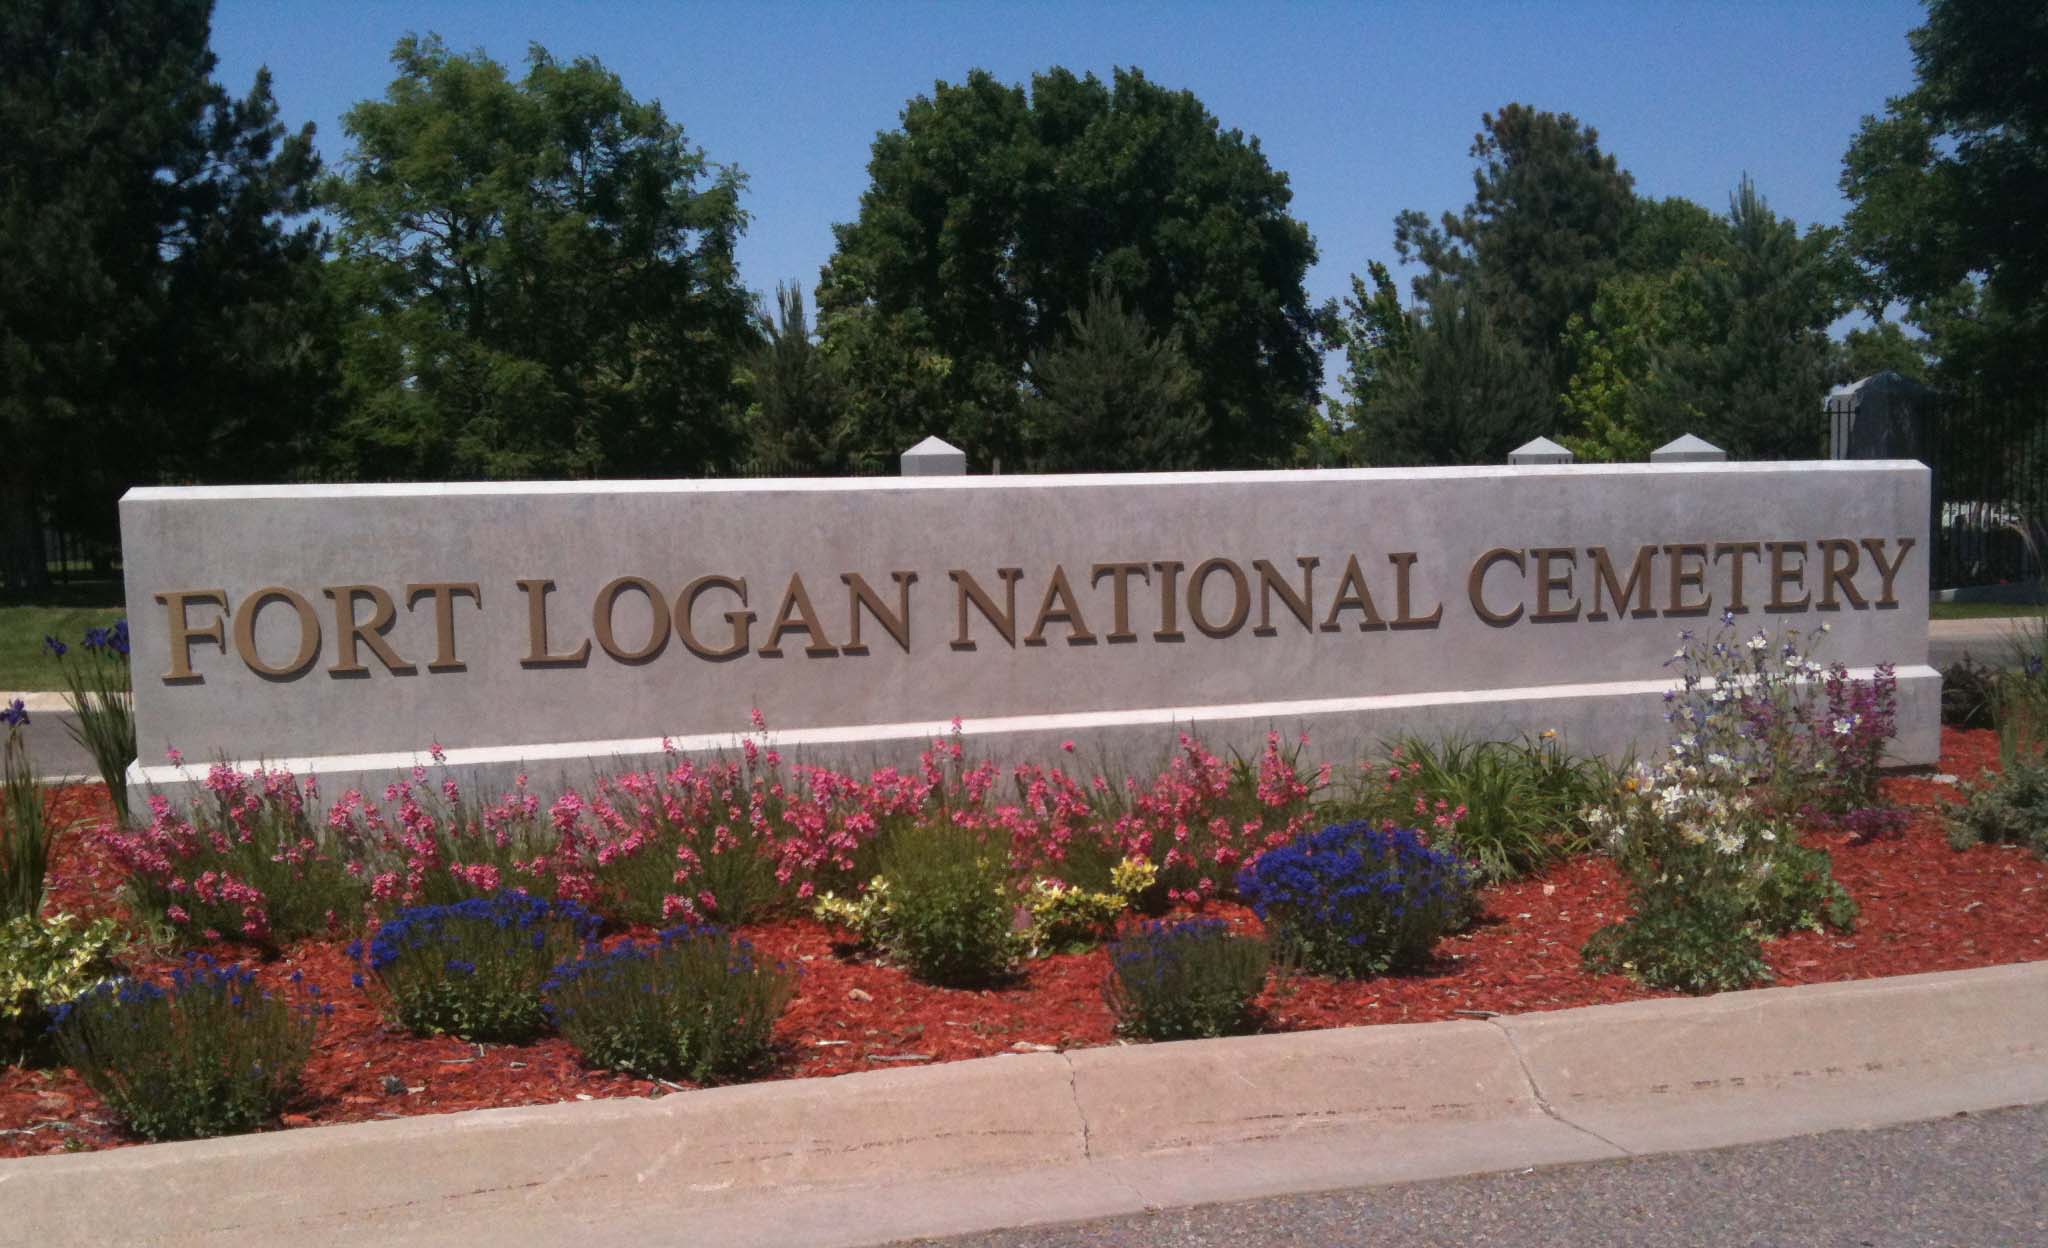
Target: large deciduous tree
1949,188
995,211
541,273
160,312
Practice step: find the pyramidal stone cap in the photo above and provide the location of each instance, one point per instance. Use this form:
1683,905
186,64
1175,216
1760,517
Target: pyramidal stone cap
934,457
1539,451
1688,448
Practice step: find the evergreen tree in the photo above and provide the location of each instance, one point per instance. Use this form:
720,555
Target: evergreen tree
1113,397
796,395
160,312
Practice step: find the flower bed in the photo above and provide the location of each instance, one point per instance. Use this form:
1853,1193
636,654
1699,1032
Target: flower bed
1925,907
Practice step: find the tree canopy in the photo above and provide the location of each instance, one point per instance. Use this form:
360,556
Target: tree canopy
540,274
994,212
160,308
1949,187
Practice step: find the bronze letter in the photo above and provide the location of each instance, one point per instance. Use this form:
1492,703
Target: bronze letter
608,601
444,618
1738,549
1240,603
797,615
245,632
1351,592
1303,604
896,624
1068,613
1475,585
970,590
537,590
742,621
348,631
1781,576
1404,562
1548,581
183,634
1889,571
1638,586
1683,578
1169,600
1120,588
1840,575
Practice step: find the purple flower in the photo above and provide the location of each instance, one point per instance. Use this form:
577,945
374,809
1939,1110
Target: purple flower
117,638
14,714
56,648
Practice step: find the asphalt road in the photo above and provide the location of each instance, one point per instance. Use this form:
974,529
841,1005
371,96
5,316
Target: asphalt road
1967,1180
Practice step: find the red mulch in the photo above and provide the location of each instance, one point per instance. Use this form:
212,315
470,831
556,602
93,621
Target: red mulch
1925,908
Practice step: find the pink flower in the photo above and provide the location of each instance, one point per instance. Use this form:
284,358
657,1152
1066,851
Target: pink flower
174,755
1068,746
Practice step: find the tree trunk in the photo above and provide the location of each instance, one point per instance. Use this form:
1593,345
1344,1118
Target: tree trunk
22,565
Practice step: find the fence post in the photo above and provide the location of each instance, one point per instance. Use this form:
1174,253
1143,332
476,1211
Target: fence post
1687,448
1539,451
934,457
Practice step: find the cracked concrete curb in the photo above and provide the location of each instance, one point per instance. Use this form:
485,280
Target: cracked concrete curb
874,1157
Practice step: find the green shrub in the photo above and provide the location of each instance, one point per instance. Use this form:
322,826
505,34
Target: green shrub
695,1004
42,966
1178,981
212,1054
942,905
1684,938
2009,807
474,969
1967,694
1357,900
253,859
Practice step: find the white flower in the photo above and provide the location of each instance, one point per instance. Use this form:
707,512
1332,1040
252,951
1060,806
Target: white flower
1728,842
1758,642
1844,726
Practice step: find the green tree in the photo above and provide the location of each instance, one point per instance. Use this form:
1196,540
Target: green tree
1544,228
791,421
1111,396
1729,341
993,212
1949,188
1456,389
160,311
541,274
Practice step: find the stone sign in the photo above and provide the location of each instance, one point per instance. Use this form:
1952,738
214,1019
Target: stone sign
341,630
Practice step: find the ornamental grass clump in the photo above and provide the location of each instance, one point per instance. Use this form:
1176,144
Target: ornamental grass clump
25,831
474,968
1508,807
103,723
210,1053
1357,900
693,1004
1186,980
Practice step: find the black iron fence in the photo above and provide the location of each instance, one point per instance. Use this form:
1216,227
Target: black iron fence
1989,456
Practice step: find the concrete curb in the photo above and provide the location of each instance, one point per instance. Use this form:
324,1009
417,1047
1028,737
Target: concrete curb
874,1157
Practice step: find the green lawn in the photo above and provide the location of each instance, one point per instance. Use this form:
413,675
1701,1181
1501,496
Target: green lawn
1979,610
63,612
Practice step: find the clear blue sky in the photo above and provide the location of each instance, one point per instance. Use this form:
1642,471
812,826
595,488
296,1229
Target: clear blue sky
1369,108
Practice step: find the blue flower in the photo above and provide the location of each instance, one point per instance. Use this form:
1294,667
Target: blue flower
14,714
56,648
